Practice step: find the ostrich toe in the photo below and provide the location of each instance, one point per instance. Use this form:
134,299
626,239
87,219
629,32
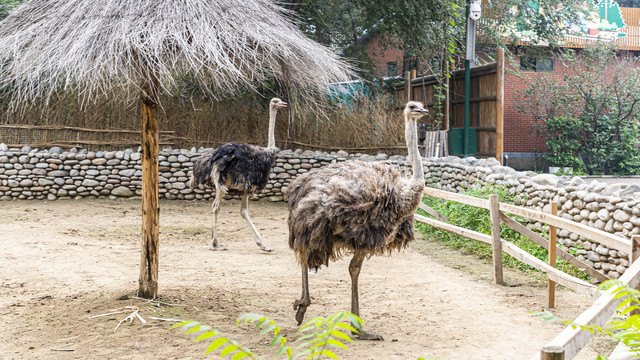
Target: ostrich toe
363,335
266,248
300,305
218,247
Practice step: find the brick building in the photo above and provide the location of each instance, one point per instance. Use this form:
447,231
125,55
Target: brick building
519,138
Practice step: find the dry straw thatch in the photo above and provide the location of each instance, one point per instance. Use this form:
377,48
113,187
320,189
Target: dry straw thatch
96,47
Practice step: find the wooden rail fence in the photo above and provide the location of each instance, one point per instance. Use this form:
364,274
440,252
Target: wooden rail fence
570,341
44,136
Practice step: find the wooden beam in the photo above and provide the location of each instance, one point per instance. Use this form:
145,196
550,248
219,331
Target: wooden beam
407,85
573,340
622,352
552,256
531,235
469,234
475,100
500,107
566,280
602,237
635,255
461,198
558,276
496,246
432,212
148,280
59,127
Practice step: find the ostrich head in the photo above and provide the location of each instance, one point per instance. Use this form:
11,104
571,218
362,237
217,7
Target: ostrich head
415,110
276,104
412,112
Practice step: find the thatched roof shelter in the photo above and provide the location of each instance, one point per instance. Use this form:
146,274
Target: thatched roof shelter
142,47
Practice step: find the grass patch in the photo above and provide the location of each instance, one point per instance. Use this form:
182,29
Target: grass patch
478,219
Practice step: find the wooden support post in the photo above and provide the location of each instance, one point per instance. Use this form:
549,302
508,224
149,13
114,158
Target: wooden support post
552,353
552,255
447,99
635,248
635,254
500,106
148,281
494,211
407,85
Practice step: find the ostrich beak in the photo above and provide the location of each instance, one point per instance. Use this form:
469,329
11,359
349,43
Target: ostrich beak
420,112
281,104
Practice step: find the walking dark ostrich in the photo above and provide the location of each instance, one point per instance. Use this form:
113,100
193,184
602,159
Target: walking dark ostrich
243,168
354,207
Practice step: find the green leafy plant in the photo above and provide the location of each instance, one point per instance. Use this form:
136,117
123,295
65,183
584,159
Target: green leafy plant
314,340
623,328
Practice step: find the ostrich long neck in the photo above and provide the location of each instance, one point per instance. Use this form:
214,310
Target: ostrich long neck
272,128
411,130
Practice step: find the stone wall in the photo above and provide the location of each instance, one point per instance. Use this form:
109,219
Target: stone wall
55,174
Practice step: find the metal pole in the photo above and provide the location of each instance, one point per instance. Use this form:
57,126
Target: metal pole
467,93
467,87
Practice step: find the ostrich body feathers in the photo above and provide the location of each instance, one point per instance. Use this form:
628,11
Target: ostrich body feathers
241,167
355,206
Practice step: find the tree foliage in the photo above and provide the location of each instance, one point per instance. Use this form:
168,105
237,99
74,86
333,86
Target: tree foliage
429,29
6,6
592,114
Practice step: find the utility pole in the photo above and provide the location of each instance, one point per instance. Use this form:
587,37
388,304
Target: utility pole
473,13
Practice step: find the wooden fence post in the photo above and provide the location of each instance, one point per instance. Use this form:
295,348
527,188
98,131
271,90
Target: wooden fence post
552,353
635,248
494,211
407,85
552,255
635,254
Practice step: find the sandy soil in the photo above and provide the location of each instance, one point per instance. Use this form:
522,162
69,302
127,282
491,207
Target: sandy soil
62,262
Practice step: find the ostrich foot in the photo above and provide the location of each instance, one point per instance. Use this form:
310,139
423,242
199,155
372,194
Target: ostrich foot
265,248
363,335
217,247
301,305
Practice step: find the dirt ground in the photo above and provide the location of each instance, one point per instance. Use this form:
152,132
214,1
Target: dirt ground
64,261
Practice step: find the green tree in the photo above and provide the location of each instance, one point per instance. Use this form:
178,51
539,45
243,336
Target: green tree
424,30
593,113
6,6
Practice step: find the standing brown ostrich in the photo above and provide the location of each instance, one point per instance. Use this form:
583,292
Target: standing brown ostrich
354,207
243,168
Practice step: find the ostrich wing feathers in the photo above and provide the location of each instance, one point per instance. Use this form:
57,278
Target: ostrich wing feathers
239,166
351,206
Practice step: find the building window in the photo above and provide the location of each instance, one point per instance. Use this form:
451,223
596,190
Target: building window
392,68
537,64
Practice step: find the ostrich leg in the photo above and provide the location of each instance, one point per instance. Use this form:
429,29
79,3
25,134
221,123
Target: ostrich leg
354,271
216,209
302,304
244,210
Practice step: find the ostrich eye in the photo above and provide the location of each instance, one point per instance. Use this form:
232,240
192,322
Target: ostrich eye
411,107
